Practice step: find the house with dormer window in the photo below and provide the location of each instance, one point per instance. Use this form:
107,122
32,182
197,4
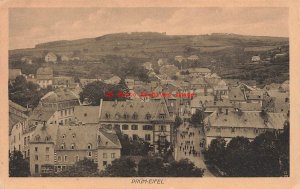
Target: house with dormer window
150,121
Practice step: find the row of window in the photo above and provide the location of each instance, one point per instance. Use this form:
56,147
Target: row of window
112,155
145,127
65,158
47,149
62,146
66,112
126,116
218,130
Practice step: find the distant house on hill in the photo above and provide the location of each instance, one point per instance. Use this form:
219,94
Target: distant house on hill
147,65
255,59
280,55
193,58
64,58
44,77
179,58
51,57
162,61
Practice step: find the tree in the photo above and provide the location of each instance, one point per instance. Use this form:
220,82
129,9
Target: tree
264,156
216,152
18,166
151,167
283,144
178,122
82,168
123,167
184,168
131,147
236,161
197,118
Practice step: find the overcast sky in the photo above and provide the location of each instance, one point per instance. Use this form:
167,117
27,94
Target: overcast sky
30,26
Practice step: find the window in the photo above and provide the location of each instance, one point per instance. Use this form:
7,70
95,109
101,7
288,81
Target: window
66,112
134,116
147,137
104,163
162,116
63,136
147,127
36,168
85,114
162,139
112,155
232,130
72,146
25,141
117,127
134,127
163,128
107,115
36,157
62,146
47,149
89,146
124,127
28,152
36,149
126,116
58,158
104,155
148,116
89,154
73,135
66,158
47,158
61,113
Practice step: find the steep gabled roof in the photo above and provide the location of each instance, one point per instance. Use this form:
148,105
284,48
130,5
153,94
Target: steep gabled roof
116,111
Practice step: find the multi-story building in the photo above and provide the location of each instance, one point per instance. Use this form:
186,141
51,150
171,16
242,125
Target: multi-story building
150,121
229,124
56,107
44,77
55,148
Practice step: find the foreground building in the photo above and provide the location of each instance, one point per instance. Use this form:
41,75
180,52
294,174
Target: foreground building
55,148
150,121
229,124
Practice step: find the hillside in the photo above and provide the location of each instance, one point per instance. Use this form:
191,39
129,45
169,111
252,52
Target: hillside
147,45
230,53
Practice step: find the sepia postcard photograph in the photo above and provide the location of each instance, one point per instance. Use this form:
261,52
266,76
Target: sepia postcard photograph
148,93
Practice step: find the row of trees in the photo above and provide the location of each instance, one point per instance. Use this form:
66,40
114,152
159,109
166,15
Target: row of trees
266,155
152,167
